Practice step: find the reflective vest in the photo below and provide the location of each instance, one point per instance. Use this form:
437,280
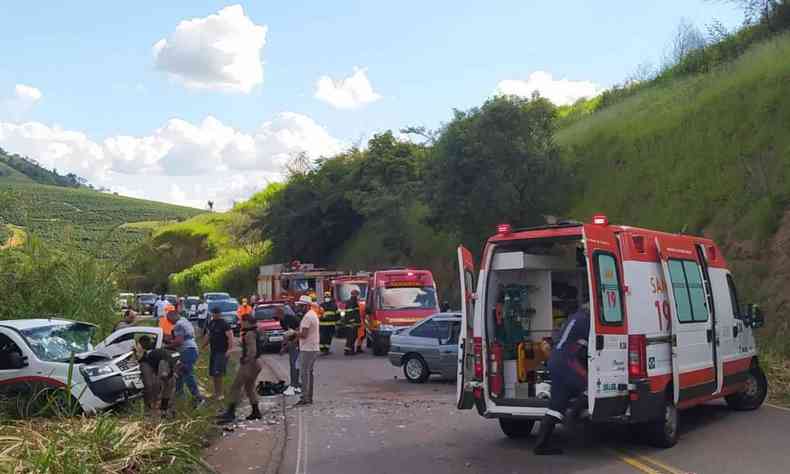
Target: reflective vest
330,316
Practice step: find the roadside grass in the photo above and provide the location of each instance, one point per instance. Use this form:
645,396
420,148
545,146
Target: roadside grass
777,369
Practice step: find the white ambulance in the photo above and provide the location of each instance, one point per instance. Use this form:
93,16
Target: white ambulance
667,331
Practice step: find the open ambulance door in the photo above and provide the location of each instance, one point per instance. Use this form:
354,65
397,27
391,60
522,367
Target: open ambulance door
607,378
466,358
691,327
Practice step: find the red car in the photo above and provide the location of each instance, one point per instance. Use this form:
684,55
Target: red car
268,327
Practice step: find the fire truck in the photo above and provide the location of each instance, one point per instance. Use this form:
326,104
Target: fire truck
667,329
289,282
397,298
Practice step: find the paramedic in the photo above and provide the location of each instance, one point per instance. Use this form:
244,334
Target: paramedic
568,367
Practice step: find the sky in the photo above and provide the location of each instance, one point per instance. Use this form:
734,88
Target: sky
190,101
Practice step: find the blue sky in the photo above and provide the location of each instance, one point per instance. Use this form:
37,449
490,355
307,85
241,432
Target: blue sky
98,76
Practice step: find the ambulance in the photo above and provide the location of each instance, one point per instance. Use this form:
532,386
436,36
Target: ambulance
667,330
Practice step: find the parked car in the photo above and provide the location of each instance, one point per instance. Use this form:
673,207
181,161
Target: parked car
269,328
35,354
172,299
146,303
124,300
191,304
229,308
215,296
429,347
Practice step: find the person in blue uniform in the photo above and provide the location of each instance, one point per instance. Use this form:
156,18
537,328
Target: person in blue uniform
568,368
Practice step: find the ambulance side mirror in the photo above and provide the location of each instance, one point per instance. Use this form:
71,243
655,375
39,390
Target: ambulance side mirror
753,316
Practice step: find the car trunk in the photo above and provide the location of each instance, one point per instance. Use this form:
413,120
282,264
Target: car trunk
533,286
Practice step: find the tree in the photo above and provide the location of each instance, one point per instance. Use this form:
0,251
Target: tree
494,164
211,206
688,38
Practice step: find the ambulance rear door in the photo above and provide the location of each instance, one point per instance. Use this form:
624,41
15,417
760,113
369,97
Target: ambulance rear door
466,358
607,391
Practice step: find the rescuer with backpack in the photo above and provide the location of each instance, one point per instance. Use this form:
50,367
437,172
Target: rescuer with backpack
249,368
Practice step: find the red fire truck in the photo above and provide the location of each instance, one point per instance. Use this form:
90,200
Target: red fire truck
667,331
397,298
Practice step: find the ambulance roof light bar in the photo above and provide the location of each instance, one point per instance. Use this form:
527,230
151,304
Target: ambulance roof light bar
503,229
600,219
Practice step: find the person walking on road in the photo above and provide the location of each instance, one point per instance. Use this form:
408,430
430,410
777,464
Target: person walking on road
183,341
568,366
352,322
159,307
219,337
308,348
328,323
249,368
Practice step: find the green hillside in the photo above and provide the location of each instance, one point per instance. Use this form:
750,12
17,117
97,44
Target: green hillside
81,218
9,174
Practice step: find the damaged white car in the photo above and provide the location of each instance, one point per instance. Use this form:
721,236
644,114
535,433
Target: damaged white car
36,354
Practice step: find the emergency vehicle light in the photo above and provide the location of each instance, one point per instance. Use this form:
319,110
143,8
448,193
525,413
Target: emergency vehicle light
600,219
503,229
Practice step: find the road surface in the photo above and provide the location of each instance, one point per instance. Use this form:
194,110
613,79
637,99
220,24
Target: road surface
368,419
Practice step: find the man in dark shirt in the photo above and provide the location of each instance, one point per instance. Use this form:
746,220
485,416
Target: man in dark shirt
219,337
157,367
290,322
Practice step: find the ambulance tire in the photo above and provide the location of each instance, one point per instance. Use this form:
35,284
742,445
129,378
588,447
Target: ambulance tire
754,393
415,369
663,432
515,428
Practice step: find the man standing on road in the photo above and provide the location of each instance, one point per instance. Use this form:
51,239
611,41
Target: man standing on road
159,307
352,321
249,368
328,322
308,348
183,341
219,337
290,324
244,310
202,315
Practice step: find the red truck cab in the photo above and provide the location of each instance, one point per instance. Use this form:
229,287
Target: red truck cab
397,299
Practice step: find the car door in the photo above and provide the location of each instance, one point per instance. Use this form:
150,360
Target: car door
425,337
693,369
14,363
465,364
123,340
448,349
608,342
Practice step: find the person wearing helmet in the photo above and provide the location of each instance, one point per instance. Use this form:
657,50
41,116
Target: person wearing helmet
328,323
352,321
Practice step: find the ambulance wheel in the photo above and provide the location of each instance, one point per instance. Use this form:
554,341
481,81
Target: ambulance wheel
515,428
415,369
663,432
753,394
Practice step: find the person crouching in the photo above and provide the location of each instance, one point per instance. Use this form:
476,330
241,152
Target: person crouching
157,368
249,368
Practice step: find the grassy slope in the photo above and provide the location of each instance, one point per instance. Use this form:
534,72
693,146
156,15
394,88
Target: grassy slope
8,173
81,218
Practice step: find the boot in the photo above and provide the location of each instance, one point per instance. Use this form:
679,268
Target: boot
544,435
229,416
256,413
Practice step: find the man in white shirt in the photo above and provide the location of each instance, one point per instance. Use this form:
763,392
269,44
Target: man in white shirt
202,314
309,348
159,307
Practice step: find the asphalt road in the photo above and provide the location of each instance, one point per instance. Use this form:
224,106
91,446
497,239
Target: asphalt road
368,419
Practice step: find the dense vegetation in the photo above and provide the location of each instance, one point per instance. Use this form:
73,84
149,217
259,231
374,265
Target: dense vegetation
21,168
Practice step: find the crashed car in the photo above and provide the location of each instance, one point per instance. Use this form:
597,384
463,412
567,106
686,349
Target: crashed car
37,353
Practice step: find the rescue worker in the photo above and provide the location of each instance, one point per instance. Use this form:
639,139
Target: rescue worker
352,322
165,324
568,368
328,323
157,368
249,368
244,309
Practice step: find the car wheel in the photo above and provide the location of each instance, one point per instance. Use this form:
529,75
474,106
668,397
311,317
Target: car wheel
380,347
753,394
663,432
515,428
415,369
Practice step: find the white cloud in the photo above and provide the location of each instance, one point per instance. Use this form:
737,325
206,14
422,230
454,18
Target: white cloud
27,93
221,52
559,91
349,93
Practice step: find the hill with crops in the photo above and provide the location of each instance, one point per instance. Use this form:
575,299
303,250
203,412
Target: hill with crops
67,214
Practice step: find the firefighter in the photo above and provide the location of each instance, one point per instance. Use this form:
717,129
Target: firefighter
352,322
328,323
568,368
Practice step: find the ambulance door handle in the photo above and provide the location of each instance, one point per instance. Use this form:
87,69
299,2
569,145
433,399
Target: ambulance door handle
598,342
710,335
734,332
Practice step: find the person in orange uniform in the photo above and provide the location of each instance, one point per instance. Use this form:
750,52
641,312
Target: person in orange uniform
244,310
165,325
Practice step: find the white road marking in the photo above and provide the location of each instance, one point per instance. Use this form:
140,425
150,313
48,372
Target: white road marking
299,431
777,407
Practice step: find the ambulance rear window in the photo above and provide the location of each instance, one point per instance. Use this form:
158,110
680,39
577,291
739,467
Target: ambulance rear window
609,289
689,292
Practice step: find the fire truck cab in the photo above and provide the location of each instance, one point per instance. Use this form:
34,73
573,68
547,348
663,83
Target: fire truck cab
667,331
397,298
